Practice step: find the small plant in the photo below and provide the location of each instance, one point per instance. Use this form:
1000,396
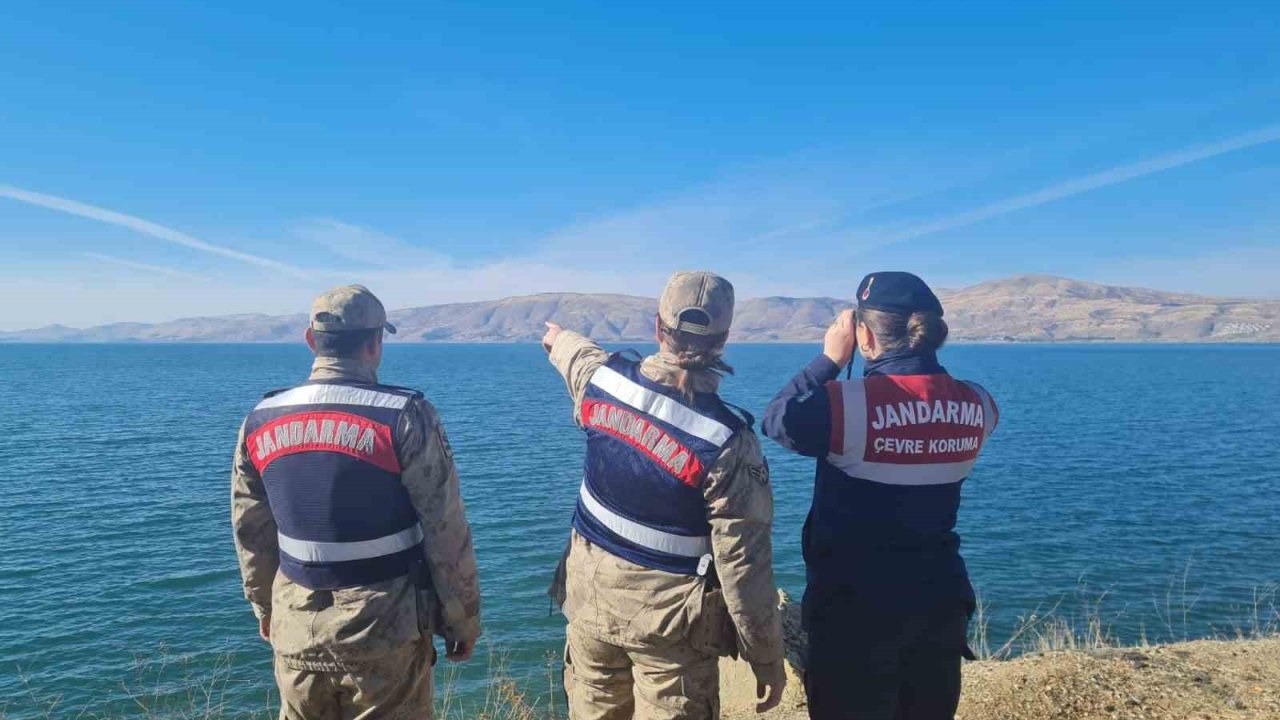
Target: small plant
504,698
1091,627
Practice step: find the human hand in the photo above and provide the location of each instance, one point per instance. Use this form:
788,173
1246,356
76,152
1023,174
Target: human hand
770,681
264,627
459,651
840,339
553,331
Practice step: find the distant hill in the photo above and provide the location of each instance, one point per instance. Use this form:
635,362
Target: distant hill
1053,309
1025,308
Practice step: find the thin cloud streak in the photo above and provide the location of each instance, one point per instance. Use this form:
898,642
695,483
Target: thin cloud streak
1095,181
137,224
134,264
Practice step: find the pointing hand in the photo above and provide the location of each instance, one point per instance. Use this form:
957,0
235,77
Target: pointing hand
553,331
840,339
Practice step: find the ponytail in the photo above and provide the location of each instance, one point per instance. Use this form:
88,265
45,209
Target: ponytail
695,352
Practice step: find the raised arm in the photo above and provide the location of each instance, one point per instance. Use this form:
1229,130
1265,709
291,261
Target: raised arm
799,416
429,475
576,358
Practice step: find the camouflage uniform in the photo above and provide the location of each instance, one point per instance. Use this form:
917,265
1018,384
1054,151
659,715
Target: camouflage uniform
644,643
364,652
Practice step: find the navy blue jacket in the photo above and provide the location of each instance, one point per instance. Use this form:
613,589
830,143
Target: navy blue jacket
330,464
893,449
648,452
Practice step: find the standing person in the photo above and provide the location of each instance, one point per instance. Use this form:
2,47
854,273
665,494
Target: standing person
888,598
670,563
353,541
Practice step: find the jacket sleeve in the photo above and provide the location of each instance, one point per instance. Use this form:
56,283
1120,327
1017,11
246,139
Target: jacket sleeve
254,530
577,358
740,509
799,416
430,477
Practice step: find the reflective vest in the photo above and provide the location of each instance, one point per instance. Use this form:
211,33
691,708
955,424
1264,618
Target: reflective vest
648,452
887,494
327,455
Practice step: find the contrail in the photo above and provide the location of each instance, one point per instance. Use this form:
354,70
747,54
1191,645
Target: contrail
146,227
161,269
1092,182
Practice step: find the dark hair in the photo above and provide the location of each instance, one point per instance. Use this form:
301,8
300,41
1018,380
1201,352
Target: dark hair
923,331
695,352
346,344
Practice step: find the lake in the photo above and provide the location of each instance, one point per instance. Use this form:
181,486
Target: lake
1146,474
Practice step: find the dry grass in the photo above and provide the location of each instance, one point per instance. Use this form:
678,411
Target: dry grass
168,687
1065,662
1046,630
504,697
1089,625
1204,680
160,687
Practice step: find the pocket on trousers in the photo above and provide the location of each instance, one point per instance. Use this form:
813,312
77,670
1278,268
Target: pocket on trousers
425,598
711,630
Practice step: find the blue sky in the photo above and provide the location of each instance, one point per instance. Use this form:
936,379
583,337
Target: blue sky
165,160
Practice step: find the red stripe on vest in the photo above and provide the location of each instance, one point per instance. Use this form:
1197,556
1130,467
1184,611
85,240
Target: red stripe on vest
636,430
922,419
339,432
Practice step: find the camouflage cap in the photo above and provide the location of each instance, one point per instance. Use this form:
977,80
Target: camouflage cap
697,302
350,307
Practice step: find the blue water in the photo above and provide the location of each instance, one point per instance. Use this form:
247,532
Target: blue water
1116,470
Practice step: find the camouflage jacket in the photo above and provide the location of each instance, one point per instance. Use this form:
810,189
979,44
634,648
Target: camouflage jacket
625,603
342,629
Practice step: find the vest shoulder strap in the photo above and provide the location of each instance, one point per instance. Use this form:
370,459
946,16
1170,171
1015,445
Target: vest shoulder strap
396,389
625,357
413,394
734,417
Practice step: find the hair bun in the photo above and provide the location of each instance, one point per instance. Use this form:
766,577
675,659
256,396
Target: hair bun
926,331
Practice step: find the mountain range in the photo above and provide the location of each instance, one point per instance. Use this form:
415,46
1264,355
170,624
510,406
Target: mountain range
1023,308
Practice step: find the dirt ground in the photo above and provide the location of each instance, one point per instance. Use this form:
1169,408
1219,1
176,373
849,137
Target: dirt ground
1213,680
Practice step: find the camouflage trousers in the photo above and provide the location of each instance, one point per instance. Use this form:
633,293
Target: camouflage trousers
609,682
396,687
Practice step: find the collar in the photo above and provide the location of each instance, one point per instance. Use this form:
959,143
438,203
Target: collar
903,362
662,368
329,368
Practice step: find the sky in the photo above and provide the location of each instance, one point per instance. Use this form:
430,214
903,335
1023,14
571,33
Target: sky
165,160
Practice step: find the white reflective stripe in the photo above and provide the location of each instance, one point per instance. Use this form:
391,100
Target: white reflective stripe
853,393
660,406
988,412
851,462
334,395
311,551
643,535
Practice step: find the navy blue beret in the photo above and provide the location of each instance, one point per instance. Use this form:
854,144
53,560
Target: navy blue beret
897,292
